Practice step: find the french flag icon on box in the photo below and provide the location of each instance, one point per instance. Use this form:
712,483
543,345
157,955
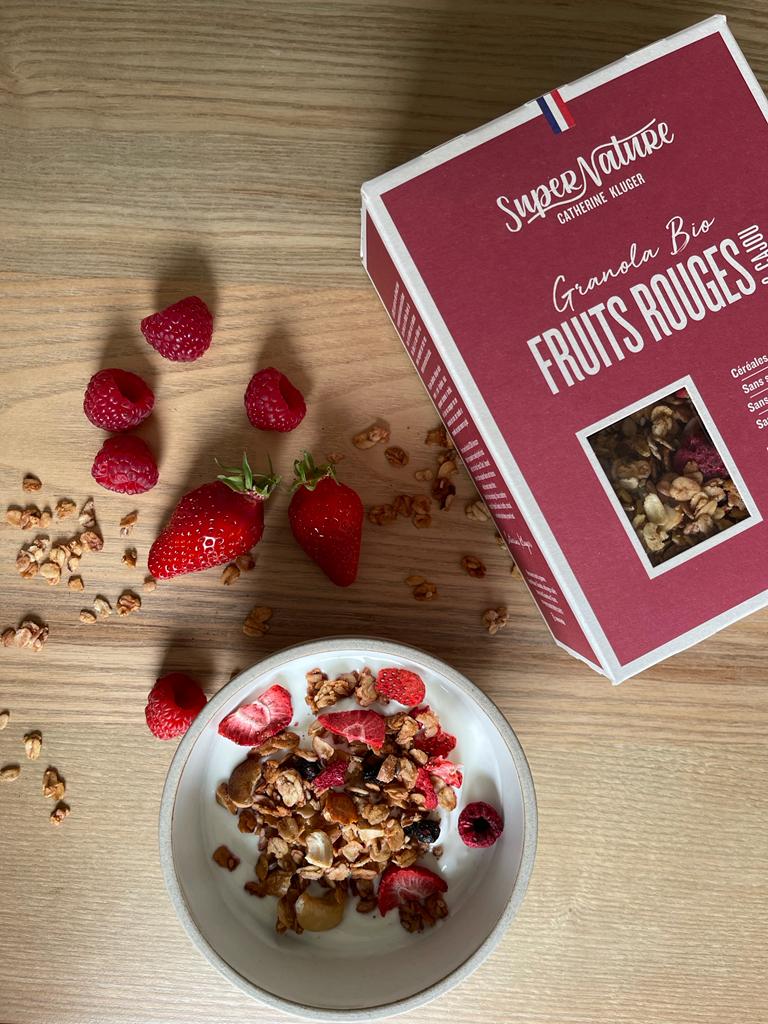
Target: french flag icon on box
558,115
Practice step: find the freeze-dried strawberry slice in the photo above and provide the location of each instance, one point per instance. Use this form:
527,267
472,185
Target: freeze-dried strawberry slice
400,884
423,784
331,776
445,770
439,745
400,684
364,726
251,724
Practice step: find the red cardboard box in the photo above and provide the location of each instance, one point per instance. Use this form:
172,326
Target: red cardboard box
581,285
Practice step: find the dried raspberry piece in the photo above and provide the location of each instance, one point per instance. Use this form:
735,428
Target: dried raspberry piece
402,685
704,454
331,776
423,784
480,824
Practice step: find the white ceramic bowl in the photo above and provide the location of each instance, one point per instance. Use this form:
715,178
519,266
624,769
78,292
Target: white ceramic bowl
368,967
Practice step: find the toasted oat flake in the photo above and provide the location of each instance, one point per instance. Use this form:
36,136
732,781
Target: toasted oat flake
472,566
230,574
87,616
75,583
5,717
31,483
54,786
50,572
102,607
13,516
150,584
59,813
127,603
373,435
128,522
33,744
87,514
396,456
257,621
477,512
130,558
424,475
65,508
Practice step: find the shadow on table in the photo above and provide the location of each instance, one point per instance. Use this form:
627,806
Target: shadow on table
483,58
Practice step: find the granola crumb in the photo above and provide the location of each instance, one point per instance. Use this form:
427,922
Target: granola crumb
437,436
515,571
396,456
30,517
87,514
9,772
334,457
477,511
92,540
50,572
245,563
373,435
495,619
87,616
256,622
225,858
33,744
65,509
150,584
31,483
5,717
130,558
423,475
128,602
379,515
46,518
230,574
102,607
422,588
127,523
30,634
59,813
75,583
13,515
54,786
473,567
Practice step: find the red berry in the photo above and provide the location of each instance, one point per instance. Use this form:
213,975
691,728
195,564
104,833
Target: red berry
399,885
401,685
212,524
173,704
125,464
182,332
331,776
253,723
704,454
363,726
423,784
326,518
446,770
272,402
117,400
480,824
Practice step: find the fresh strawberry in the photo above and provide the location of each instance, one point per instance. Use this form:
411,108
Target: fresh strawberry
125,464
401,685
272,402
364,726
253,723
213,524
173,704
445,770
480,824
331,776
182,332
423,784
399,885
117,400
327,520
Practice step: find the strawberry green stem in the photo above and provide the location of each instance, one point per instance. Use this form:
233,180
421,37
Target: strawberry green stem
308,475
243,480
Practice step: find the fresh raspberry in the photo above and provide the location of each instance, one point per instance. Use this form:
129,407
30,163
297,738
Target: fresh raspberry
704,454
182,332
125,464
268,715
272,402
117,400
173,704
480,824
401,685
446,770
439,745
423,784
364,726
331,776
398,885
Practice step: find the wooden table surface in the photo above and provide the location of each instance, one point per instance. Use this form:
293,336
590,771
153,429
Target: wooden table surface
153,150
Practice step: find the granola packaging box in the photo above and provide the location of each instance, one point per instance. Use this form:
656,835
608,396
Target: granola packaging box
581,285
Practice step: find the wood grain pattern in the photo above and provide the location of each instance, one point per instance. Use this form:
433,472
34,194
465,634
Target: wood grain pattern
151,150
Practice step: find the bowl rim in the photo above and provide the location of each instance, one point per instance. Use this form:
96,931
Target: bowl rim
329,645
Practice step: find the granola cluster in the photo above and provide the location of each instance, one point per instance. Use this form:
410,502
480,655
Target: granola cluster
332,814
669,477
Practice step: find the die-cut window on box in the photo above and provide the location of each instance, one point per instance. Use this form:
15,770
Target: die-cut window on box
669,476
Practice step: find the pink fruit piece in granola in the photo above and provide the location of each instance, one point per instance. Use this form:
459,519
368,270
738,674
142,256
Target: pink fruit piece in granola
362,726
251,724
331,776
445,770
480,824
400,884
400,684
423,784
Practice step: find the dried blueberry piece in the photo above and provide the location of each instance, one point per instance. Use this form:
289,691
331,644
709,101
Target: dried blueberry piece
371,768
308,770
425,831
